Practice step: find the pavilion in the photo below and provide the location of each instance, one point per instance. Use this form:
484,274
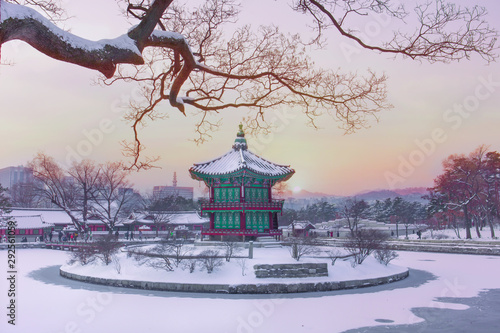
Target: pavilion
240,184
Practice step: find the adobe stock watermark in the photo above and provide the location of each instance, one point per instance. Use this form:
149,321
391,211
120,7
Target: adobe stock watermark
453,119
279,121
451,289
94,137
367,34
87,311
264,309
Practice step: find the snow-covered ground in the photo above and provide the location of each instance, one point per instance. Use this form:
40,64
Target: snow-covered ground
47,302
232,272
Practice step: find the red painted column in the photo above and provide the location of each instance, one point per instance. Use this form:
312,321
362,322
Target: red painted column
243,222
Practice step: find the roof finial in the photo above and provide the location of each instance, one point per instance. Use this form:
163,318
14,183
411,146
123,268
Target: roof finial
240,142
241,133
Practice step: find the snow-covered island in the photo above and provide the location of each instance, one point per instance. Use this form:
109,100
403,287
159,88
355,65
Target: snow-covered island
238,271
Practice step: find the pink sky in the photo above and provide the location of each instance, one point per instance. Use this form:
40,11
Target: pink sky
438,110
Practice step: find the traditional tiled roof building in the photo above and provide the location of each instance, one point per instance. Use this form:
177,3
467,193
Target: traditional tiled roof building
240,185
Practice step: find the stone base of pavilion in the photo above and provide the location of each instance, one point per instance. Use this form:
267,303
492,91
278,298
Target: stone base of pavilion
241,235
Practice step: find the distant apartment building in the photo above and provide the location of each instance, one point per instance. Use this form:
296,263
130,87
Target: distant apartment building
11,176
174,190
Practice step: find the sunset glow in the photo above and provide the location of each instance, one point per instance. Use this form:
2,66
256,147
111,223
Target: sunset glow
439,109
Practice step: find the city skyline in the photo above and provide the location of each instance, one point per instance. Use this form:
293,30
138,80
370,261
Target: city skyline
439,109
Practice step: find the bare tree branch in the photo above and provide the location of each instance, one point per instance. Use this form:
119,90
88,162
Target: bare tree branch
203,64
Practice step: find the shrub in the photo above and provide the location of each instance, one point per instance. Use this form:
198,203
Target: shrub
190,264
84,255
333,254
242,262
302,246
231,247
210,260
385,255
363,242
106,248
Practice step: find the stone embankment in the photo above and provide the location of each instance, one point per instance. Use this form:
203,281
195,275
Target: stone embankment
260,288
438,246
458,247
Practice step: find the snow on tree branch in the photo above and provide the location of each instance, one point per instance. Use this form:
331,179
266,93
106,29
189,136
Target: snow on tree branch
23,23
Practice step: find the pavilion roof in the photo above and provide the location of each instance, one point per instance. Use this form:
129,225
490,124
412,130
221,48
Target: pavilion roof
240,158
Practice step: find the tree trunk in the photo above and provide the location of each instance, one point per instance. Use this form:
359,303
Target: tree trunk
467,223
477,225
456,227
492,229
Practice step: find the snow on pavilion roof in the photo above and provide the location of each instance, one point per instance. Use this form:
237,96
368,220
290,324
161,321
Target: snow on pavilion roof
240,158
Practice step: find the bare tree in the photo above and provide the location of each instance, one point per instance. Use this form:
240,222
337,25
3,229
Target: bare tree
179,251
84,255
281,190
24,195
161,260
334,254
106,248
5,205
190,264
86,188
55,185
210,260
160,217
353,210
385,255
231,248
363,243
301,246
85,175
180,54
113,198
242,262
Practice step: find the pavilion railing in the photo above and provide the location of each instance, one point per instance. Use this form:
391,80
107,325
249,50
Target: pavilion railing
241,232
274,204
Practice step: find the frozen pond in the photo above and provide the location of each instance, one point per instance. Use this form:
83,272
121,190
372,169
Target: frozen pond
443,284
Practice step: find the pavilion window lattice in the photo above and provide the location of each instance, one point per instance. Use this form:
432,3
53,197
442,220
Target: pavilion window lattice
254,194
227,220
257,221
227,194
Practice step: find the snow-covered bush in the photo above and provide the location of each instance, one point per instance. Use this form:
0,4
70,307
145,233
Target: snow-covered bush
363,242
106,248
84,256
231,248
116,264
178,250
301,246
333,254
385,255
190,264
210,260
242,262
